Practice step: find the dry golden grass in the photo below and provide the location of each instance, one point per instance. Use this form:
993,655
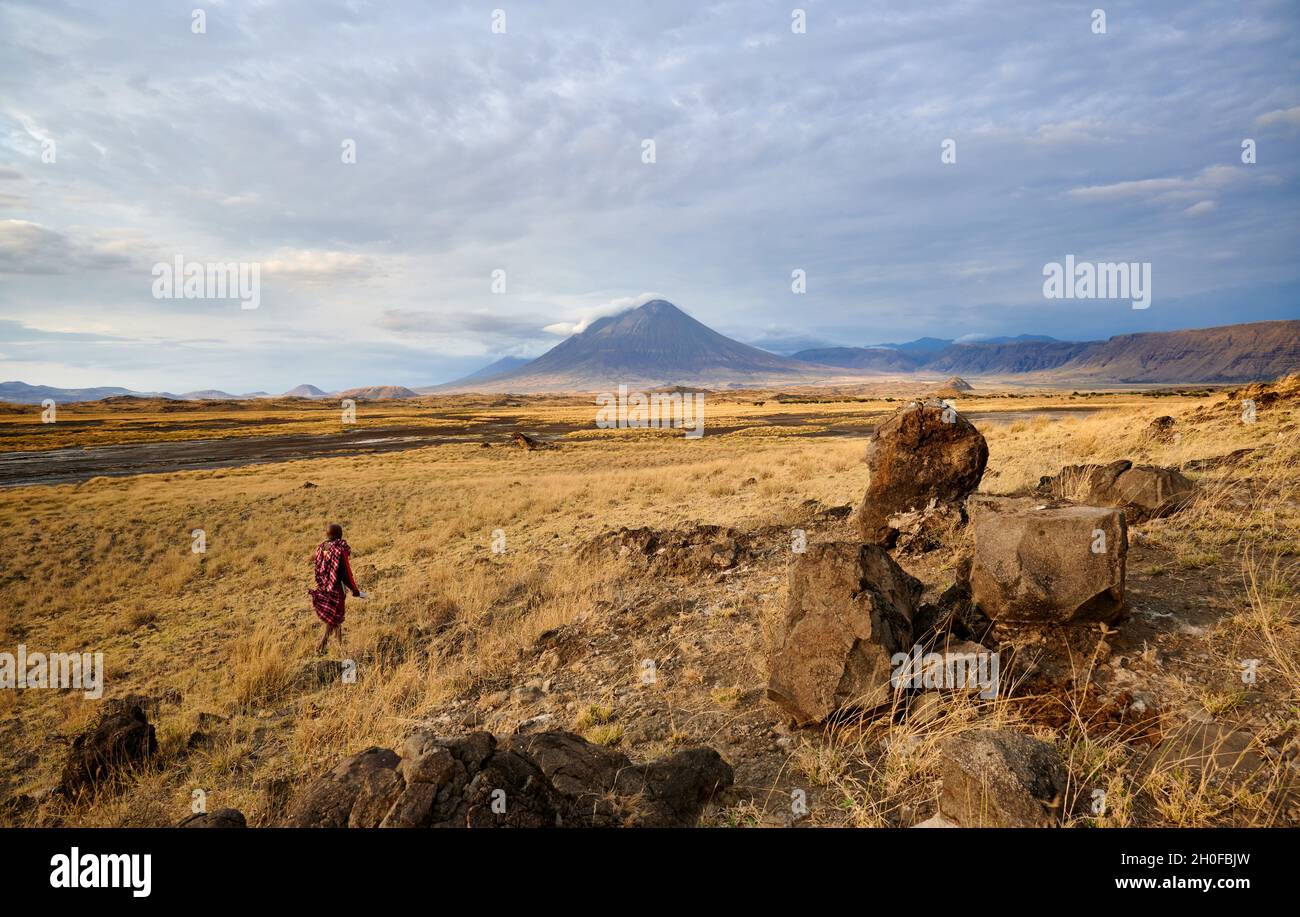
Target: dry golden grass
107,566
231,629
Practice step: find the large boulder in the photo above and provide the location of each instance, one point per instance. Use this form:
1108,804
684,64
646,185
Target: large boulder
923,452
607,789
327,801
1142,491
849,610
1046,564
121,739
546,779
582,771
672,792
1000,778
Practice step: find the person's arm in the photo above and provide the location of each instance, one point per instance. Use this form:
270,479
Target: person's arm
348,579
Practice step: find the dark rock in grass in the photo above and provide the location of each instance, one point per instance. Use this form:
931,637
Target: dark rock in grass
221,818
122,739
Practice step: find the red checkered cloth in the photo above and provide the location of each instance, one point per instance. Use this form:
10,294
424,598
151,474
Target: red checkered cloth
333,578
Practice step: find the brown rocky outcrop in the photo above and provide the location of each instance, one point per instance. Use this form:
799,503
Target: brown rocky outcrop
1047,564
1142,491
1000,778
849,610
924,452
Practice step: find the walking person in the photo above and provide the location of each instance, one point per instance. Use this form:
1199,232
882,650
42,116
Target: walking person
334,580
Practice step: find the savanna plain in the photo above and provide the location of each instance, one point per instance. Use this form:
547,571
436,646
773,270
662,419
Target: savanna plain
507,589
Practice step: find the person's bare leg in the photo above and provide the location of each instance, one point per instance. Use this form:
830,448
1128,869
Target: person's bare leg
338,632
324,638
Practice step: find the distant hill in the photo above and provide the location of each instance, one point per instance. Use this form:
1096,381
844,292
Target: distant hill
875,359
305,391
921,347
22,393
211,394
658,344
1003,359
378,393
653,345
1229,353
952,388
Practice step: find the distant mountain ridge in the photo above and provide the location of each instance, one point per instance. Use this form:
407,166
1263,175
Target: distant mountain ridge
22,393
876,359
918,348
1001,359
1229,353
658,345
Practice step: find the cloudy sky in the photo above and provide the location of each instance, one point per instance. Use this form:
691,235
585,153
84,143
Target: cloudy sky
521,151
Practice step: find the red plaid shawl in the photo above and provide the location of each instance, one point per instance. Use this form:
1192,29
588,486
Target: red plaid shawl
330,593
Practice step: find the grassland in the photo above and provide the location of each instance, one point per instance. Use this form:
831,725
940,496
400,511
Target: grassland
456,635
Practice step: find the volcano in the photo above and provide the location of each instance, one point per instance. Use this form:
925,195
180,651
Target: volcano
656,344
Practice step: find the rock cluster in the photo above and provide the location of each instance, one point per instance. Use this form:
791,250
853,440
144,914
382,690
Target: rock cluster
1142,491
1037,563
700,549
545,779
851,609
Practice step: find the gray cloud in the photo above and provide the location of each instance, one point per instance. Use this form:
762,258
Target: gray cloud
29,248
521,153
499,333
